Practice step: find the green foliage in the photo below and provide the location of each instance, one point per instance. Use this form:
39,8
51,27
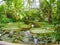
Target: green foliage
57,32
58,10
1,8
4,19
14,9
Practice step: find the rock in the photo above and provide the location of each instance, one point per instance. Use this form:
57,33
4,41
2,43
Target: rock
11,33
35,41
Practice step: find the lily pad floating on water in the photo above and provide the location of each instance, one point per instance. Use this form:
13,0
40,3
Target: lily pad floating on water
40,30
13,26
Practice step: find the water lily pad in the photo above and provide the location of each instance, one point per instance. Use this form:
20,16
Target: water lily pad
40,30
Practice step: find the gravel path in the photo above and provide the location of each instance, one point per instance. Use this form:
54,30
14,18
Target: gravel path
7,43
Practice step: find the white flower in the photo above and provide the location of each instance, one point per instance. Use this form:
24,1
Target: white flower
0,34
32,25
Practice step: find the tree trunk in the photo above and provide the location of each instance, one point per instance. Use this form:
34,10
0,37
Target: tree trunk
49,16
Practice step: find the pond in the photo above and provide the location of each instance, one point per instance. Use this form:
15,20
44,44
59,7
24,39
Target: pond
22,33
